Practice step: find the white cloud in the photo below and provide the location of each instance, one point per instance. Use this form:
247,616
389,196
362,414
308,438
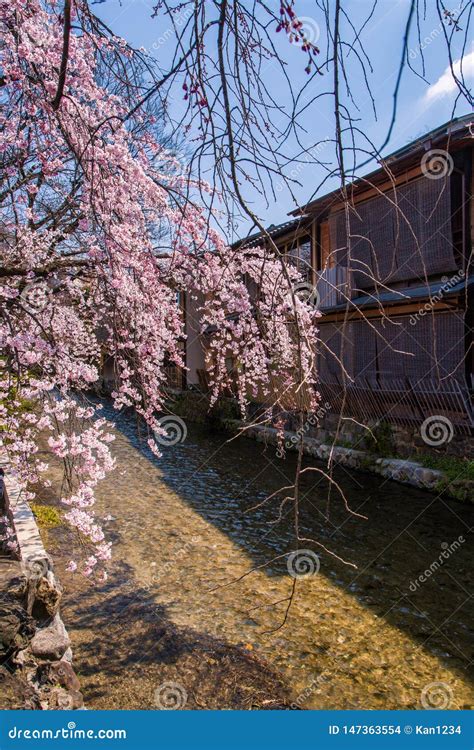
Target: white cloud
446,84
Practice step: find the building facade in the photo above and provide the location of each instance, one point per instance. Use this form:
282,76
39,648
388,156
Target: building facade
388,261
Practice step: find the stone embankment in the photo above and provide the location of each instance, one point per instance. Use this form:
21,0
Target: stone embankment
357,455
35,652
397,469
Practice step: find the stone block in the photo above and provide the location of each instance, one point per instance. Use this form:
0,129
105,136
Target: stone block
51,643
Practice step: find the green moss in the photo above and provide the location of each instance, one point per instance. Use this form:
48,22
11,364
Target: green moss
225,409
367,462
380,440
454,490
344,443
46,516
454,468
195,407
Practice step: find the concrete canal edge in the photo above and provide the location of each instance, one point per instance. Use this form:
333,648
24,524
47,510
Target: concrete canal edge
44,659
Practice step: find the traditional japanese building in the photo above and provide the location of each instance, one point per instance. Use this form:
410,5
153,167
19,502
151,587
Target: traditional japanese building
389,260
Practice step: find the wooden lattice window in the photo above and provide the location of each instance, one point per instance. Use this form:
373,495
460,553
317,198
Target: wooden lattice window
299,252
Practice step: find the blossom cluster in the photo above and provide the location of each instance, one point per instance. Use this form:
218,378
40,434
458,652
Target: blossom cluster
99,231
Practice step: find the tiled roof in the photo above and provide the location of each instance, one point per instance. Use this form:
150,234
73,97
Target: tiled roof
274,230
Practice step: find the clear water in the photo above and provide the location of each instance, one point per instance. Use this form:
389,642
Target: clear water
354,638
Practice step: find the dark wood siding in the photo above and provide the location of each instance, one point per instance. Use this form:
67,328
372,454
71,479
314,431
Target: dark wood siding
383,349
402,235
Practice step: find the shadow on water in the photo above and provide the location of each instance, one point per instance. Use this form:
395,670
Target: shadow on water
374,637
147,662
406,532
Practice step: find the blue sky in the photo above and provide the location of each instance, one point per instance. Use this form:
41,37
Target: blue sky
423,105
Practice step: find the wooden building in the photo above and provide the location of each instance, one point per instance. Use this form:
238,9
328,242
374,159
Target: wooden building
390,261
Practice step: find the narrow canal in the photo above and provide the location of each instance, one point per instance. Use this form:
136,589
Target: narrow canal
353,638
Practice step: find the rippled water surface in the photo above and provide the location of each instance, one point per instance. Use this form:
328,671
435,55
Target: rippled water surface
354,638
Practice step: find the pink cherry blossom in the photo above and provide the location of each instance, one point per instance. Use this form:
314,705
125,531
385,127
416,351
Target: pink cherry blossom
100,228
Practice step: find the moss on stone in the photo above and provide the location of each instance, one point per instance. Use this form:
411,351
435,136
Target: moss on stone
380,440
454,468
46,516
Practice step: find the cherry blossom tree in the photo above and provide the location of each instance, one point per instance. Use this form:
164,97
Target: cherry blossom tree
100,227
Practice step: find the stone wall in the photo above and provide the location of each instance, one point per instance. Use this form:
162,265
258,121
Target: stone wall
387,450
195,406
406,442
398,469
35,650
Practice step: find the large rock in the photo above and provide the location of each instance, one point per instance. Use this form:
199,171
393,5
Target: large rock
16,627
59,673
47,597
52,642
15,693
